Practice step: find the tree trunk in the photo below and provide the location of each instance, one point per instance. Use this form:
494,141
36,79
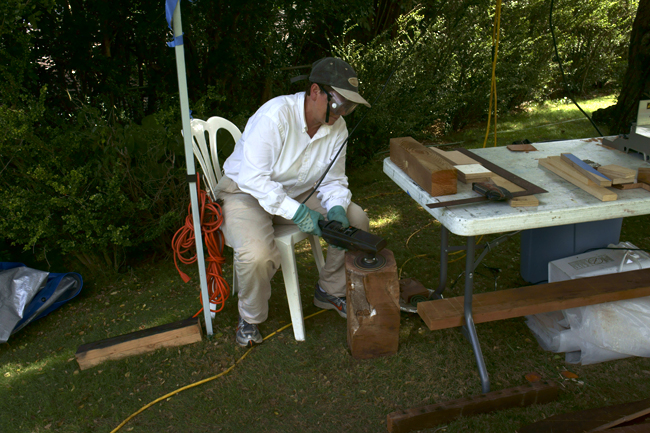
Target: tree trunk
636,82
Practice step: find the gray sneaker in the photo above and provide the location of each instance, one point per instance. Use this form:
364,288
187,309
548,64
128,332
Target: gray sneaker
247,334
329,302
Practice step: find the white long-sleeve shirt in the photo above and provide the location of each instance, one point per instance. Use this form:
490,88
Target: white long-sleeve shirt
275,160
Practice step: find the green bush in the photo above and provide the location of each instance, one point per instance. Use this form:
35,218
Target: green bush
87,187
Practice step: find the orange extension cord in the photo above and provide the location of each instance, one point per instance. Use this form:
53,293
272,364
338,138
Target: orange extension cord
184,241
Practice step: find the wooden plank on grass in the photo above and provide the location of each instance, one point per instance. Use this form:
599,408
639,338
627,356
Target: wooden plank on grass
542,298
586,169
565,171
424,417
435,175
171,334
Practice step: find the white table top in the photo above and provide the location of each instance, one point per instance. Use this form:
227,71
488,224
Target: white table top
564,203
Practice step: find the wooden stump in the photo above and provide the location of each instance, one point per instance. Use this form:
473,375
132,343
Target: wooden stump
372,307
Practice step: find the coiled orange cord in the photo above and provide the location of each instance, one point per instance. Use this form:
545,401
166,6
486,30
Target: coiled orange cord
183,241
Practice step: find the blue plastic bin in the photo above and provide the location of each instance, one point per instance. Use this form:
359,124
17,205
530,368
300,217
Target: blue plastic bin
541,246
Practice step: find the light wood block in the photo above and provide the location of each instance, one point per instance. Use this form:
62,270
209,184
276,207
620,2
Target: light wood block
542,298
617,173
473,173
587,170
524,201
454,157
433,173
169,335
565,171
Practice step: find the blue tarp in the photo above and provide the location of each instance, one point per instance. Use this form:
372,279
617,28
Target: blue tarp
28,294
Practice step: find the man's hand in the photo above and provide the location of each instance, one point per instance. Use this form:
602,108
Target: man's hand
307,220
337,213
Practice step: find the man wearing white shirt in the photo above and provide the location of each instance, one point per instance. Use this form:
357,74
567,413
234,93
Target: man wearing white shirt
284,150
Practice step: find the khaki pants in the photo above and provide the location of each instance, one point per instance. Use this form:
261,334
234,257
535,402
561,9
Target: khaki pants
248,229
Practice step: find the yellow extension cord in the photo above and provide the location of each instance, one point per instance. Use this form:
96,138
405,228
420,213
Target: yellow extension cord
493,88
201,382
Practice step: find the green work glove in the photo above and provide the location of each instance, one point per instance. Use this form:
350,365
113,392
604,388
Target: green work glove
307,220
337,213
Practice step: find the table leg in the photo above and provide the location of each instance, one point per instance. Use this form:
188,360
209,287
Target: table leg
469,327
444,259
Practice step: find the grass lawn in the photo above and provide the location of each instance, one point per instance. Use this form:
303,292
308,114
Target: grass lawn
287,386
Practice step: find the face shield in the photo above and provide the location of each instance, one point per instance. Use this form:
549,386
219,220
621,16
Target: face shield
337,104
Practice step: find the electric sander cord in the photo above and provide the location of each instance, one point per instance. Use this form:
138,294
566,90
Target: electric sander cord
184,242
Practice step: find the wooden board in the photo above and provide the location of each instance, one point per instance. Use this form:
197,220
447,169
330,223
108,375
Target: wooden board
524,201
473,173
435,175
425,417
542,298
626,186
521,147
617,173
169,335
585,169
373,313
643,175
568,173
454,157
521,201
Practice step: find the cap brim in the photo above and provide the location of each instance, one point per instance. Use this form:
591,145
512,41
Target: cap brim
351,96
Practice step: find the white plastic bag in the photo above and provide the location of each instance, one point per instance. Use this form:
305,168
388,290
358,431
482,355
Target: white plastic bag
596,333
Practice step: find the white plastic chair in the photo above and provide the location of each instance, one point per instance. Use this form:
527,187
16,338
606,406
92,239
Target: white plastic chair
286,236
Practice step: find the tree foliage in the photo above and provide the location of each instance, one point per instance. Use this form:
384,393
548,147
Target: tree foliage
91,159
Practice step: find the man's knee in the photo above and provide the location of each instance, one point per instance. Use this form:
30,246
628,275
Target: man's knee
357,217
257,253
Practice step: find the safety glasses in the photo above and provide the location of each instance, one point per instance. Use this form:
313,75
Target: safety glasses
337,104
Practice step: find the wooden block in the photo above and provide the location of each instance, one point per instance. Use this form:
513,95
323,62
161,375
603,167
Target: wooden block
626,186
435,175
557,166
542,298
587,170
524,201
172,334
454,157
521,147
505,183
617,173
372,306
643,175
473,173
424,417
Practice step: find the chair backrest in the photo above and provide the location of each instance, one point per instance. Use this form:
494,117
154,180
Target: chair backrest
206,152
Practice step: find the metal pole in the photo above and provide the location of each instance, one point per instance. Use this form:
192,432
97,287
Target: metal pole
469,320
189,161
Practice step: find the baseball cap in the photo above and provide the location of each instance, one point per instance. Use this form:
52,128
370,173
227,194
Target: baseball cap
339,75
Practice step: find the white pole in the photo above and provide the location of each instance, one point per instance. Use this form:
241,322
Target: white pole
189,160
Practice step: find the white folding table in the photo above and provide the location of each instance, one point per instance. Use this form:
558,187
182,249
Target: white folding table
563,204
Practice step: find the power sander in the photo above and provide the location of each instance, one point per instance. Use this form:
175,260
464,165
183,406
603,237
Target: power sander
354,239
